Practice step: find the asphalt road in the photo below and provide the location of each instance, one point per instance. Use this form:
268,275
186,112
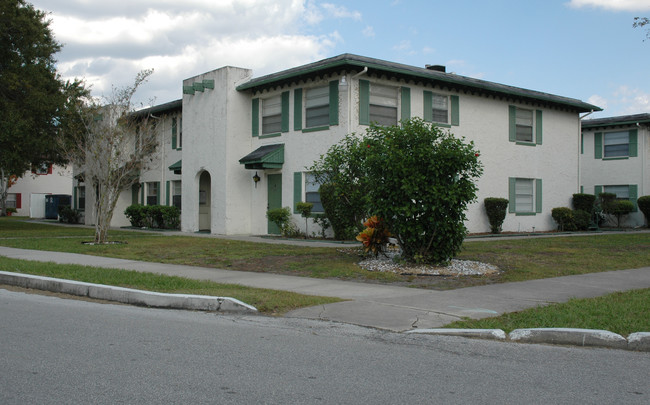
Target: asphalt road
58,351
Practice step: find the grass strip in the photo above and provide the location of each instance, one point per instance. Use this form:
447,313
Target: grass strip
267,301
621,312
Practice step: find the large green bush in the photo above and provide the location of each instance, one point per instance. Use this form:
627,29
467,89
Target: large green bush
495,209
582,219
153,216
644,207
619,209
421,180
583,202
344,186
136,215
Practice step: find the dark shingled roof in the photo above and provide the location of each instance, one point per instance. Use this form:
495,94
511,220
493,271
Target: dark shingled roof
356,63
176,105
616,121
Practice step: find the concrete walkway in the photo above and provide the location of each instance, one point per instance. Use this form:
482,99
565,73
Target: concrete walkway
381,306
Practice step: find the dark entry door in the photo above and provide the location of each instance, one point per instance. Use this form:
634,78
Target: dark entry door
274,199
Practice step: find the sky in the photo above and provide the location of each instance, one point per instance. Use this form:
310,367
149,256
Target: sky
584,49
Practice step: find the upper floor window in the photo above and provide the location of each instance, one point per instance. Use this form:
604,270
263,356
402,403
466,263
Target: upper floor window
43,169
440,108
177,133
317,107
383,104
525,126
271,115
616,144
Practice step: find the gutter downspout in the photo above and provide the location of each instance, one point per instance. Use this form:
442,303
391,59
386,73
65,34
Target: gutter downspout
364,71
580,145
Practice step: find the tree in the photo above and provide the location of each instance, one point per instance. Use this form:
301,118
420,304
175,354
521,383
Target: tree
32,96
641,22
114,145
422,179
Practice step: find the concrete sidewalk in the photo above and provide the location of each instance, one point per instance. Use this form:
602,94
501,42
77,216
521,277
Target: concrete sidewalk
382,306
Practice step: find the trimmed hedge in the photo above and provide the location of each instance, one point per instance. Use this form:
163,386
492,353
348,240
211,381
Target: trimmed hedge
644,206
153,216
584,202
496,212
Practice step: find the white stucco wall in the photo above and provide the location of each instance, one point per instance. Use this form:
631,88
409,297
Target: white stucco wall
605,172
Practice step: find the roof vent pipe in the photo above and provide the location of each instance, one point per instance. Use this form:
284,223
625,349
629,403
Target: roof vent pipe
437,68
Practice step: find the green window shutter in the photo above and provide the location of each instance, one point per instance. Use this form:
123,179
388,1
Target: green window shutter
455,110
256,117
582,144
406,103
159,193
285,111
174,132
538,195
167,193
512,123
598,190
511,194
633,192
334,102
142,193
74,198
598,145
633,143
582,189
364,102
297,109
134,194
538,127
427,102
297,190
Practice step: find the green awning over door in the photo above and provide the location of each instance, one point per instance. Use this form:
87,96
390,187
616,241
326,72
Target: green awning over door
264,157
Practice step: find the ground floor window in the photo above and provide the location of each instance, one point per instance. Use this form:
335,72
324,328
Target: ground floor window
525,195
311,193
12,201
81,198
176,194
152,193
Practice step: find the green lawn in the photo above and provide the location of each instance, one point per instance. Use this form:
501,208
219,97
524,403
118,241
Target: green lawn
622,313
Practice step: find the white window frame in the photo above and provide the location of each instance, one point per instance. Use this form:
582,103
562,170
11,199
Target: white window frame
153,186
317,98
271,111
11,200
176,191
523,197
522,122
440,98
615,140
383,97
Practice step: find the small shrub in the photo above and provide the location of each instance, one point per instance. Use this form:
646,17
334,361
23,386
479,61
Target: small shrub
324,223
136,215
621,208
583,202
69,215
582,219
279,216
171,217
496,212
564,218
644,207
10,210
375,236
304,208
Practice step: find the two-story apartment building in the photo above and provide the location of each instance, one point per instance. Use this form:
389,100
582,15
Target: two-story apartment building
614,158
248,141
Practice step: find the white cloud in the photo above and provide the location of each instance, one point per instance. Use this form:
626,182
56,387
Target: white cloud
341,11
632,100
369,32
403,46
107,43
598,101
616,5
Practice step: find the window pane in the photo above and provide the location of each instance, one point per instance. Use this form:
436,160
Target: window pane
383,95
10,202
317,97
524,123
616,144
272,124
317,116
524,197
272,106
383,115
440,109
311,192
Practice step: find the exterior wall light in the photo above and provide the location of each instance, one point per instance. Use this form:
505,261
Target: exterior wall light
256,179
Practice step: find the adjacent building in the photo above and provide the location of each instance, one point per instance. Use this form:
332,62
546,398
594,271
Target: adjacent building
30,192
614,156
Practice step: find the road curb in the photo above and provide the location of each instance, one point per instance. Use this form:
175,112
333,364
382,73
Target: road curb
126,295
639,341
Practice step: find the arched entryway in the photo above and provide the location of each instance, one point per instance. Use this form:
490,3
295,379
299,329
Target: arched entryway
205,204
